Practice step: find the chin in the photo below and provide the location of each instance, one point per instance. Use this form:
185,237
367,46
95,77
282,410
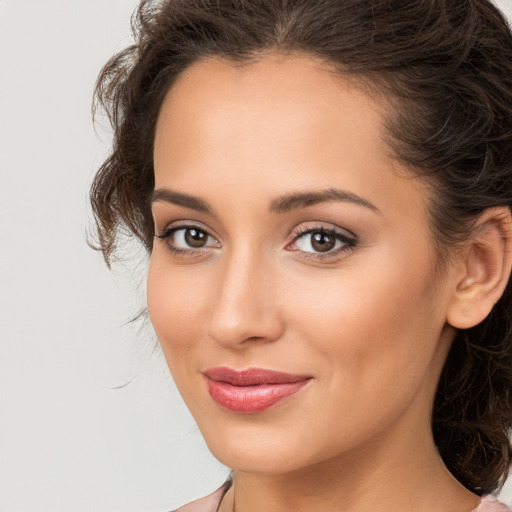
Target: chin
261,463
260,453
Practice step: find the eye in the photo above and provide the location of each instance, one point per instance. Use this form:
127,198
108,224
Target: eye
187,239
321,242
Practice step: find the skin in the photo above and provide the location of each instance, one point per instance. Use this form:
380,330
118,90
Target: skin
368,323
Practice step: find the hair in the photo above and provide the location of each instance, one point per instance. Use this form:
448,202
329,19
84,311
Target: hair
445,69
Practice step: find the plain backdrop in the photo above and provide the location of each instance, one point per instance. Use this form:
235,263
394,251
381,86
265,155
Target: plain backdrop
89,417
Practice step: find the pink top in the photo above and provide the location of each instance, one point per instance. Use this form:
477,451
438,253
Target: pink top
211,503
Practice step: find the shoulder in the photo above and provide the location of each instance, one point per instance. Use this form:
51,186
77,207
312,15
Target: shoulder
489,504
209,503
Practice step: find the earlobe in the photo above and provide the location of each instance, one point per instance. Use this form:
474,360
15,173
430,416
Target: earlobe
486,269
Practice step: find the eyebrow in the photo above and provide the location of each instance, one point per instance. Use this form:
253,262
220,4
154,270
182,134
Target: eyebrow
179,199
282,204
299,200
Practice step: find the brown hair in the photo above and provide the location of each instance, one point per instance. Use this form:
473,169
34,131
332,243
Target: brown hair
446,68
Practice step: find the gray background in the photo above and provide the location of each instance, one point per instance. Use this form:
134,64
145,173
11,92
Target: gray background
73,436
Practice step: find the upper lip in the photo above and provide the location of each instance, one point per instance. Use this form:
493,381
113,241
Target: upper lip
252,376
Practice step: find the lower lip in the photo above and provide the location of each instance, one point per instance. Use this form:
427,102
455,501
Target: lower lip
251,399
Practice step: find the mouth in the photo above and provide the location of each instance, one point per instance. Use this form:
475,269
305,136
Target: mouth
251,391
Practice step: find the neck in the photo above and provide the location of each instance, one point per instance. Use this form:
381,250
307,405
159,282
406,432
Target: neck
373,477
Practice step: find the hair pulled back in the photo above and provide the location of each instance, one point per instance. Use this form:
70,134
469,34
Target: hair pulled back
445,68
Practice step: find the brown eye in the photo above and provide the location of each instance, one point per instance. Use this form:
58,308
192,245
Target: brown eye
322,242
187,238
195,237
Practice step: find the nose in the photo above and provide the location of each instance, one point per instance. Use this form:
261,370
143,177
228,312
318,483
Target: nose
244,309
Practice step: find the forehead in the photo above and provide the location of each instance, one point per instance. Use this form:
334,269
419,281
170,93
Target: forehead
284,102
279,122
290,85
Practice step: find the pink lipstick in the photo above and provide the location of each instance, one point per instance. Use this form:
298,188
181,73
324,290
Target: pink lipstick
253,390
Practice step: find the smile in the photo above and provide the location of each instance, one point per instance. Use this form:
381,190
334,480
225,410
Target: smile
251,391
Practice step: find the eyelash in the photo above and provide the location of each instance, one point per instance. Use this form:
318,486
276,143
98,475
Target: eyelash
180,251
349,242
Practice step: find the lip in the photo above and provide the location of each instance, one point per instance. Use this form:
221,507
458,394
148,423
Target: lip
251,391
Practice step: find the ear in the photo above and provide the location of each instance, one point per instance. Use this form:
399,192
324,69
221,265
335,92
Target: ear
486,266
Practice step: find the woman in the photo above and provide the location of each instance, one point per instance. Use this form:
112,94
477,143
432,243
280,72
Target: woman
325,189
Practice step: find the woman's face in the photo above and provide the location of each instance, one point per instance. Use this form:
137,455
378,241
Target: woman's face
290,241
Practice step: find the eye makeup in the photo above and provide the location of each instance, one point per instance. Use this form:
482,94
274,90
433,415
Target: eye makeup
316,242
187,240
319,242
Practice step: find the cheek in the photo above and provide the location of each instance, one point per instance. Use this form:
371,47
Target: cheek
176,305
370,327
